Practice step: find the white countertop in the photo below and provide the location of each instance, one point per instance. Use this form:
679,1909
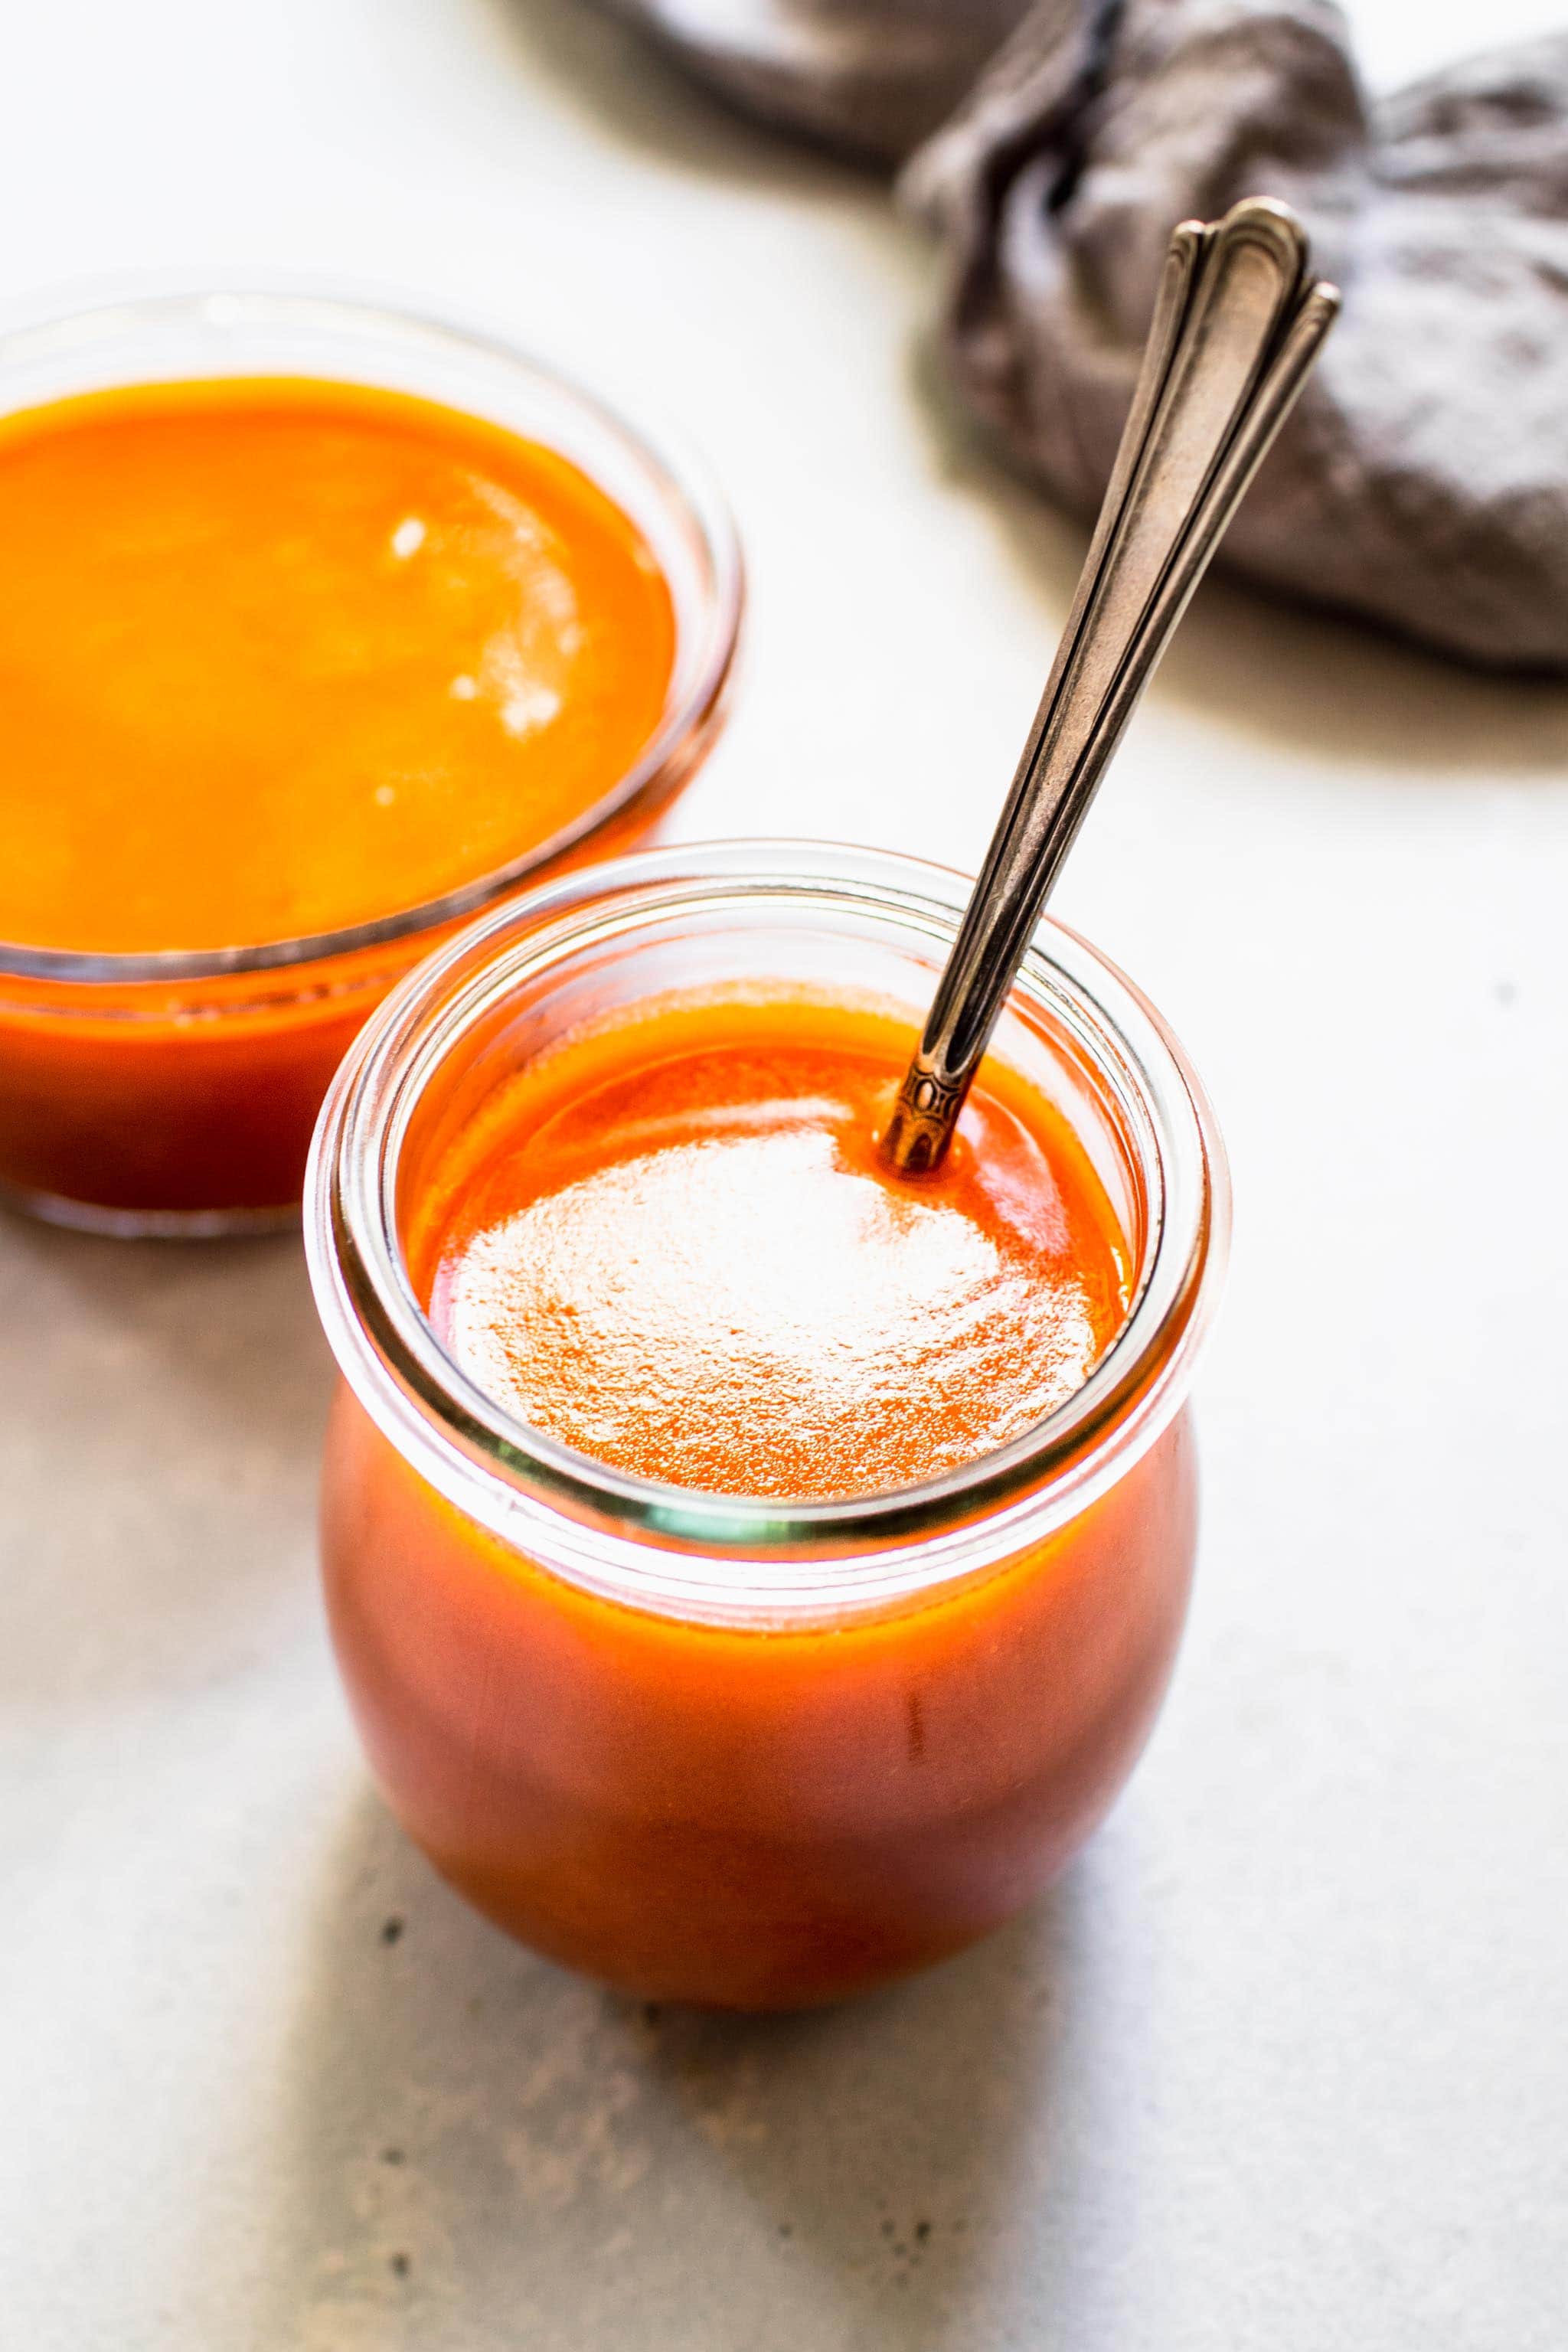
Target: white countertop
1282,2062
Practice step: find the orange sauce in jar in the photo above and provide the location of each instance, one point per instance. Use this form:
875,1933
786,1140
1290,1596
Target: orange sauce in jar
669,1244
279,657
674,1247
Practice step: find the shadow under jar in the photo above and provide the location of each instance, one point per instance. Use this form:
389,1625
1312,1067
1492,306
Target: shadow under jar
748,1752
173,1089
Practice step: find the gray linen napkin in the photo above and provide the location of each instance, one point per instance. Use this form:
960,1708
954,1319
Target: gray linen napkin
1424,479
872,75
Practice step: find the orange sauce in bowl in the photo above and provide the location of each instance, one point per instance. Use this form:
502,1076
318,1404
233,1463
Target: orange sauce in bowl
282,656
279,657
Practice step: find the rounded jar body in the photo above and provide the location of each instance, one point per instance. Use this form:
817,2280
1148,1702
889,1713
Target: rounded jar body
708,1748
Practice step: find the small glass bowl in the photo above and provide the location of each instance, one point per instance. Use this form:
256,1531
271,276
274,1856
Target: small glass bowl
174,1093
709,1748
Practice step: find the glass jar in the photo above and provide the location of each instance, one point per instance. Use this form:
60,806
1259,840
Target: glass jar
716,1749
175,1093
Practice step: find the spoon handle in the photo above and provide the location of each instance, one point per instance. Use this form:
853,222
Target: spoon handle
1236,329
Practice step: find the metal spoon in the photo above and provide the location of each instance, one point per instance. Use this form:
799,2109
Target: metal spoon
1236,328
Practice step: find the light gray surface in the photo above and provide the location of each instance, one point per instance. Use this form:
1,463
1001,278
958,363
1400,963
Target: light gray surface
1283,2061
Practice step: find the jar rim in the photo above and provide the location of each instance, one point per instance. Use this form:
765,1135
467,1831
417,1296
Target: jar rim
707,613
646,1541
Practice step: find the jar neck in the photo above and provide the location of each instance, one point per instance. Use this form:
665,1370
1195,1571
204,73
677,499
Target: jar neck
655,1545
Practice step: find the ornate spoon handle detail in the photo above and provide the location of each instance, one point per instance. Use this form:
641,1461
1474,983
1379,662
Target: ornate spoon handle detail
1236,327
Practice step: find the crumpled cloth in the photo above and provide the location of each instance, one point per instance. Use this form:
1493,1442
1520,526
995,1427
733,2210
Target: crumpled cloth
871,76
1423,480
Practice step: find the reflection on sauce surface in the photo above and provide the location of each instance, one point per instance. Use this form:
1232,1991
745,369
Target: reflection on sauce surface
694,1268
